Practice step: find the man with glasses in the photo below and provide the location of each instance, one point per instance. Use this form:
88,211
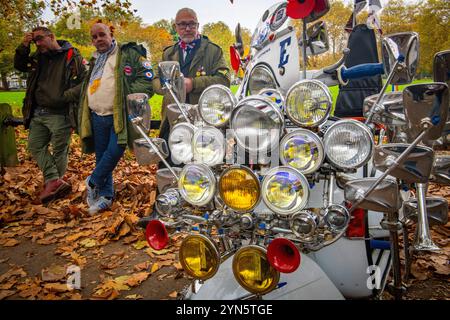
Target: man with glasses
55,72
201,61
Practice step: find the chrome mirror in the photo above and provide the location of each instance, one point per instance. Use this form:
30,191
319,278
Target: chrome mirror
400,46
391,112
139,111
426,102
170,73
318,41
385,197
145,154
165,179
437,210
416,168
441,67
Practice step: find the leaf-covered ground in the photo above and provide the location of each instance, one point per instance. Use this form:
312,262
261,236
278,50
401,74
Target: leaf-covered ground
40,245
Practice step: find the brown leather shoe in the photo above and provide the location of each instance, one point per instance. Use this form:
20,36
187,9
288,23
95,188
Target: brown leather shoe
54,189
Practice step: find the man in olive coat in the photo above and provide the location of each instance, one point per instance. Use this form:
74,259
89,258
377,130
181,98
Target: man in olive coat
202,63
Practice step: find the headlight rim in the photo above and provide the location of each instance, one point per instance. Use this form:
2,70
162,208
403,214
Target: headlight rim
254,176
267,69
316,139
274,272
329,98
229,94
211,245
360,125
306,192
240,105
213,180
190,127
197,132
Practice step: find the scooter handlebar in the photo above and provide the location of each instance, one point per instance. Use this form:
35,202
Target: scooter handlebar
361,71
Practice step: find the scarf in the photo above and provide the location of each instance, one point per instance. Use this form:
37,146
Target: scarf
99,66
187,47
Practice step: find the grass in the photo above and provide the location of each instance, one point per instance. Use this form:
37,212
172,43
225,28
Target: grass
14,98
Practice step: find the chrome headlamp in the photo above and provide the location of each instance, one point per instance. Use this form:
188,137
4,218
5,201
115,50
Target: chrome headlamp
285,190
215,105
308,103
261,77
257,123
208,145
302,150
348,144
336,217
197,184
180,142
304,224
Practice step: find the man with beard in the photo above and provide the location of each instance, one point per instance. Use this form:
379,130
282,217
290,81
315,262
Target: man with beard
49,110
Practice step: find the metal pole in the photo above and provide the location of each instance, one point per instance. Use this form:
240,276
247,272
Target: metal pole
178,103
423,240
305,58
393,235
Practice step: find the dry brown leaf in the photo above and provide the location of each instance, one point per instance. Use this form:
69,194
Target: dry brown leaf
88,243
173,294
10,243
136,279
49,227
15,271
6,293
8,285
53,273
57,287
134,297
140,245
142,266
78,259
155,267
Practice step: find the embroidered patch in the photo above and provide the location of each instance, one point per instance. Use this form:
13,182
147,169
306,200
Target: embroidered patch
147,65
128,70
149,75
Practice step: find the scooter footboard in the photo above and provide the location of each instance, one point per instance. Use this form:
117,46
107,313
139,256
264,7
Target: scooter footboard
308,282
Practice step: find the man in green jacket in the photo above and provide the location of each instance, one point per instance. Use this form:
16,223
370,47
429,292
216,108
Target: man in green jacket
201,61
116,70
55,72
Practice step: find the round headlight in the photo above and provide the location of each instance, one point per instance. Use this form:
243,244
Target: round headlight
199,257
239,188
303,225
197,184
208,145
261,78
215,105
180,142
253,271
348,144
257,123
275,96
308,103
285,190
302,150
336,217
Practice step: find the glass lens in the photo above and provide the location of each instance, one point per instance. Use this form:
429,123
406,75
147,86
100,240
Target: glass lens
239,189
197,184
180,143
208,146
215,105
198,257
308,103
261,78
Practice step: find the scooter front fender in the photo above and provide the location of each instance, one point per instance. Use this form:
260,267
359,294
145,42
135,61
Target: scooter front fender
308,282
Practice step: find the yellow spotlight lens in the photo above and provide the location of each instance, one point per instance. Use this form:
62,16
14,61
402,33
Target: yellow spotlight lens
253,271
239,188
199,257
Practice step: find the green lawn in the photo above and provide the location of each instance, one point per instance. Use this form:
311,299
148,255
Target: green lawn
14,98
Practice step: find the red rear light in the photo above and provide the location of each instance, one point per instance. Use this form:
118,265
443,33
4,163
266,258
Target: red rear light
235,59
357,226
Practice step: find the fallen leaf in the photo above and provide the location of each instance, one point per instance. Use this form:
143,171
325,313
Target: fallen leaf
6,293
155,267
173,294
140,244
53,273
16,271
134,297
57,287
49,227
88,243
160,252
136,279
10,243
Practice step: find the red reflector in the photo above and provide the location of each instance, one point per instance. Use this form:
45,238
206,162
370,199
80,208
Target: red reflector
235,59
299,9
357,226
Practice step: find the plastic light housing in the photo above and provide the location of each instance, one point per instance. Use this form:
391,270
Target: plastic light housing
199,257
215,105
261,77
197,184
156,235
308,103
303,150
285,190
348,144
180,142
208,146
257,123
253,271
239,188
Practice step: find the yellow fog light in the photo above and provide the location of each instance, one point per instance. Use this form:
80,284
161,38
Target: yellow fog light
199,256
239,188
253,271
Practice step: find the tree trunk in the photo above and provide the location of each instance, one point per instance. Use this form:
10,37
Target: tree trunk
4,81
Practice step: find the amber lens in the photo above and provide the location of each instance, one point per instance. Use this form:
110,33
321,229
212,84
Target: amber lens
253,271
199,257
239,189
